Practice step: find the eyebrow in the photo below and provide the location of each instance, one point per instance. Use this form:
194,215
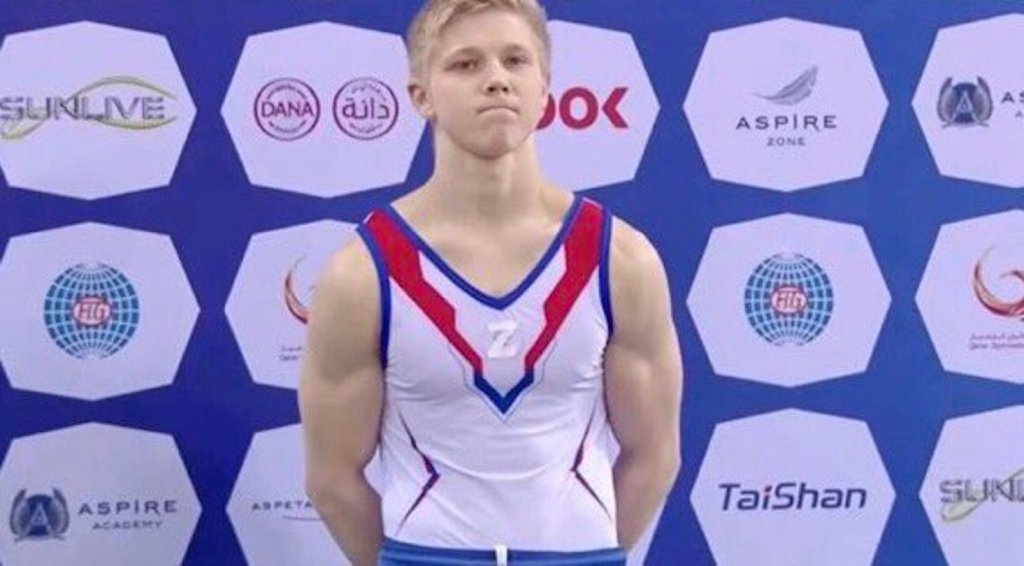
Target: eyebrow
474,50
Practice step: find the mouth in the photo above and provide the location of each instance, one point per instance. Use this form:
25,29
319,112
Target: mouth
499,108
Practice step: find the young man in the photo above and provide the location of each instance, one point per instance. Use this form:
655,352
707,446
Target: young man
487,333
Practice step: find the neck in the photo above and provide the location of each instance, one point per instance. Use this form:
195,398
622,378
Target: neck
468,186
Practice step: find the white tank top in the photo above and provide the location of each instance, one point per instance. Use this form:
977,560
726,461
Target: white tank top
494,428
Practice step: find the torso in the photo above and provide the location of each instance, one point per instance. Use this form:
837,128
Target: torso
494,428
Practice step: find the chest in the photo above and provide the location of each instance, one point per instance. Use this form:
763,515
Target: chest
494,262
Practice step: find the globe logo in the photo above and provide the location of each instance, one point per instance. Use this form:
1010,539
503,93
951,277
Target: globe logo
91,311
788,300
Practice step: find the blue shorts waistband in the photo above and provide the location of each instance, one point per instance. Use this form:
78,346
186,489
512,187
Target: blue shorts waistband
396,553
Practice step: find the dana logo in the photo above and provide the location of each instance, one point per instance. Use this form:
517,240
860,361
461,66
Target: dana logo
965,104
580,108
295,306
790,128
962,496
288,109
39,517
790,496
365,108
127,103
788,300
91,311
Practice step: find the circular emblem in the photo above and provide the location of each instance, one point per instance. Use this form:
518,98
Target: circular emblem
286,109
788,300
91,311
365,108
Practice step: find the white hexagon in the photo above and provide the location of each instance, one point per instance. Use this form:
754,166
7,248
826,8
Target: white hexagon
970,101
109,120
275,522
788,300
321,109
973,487
792,487
96,494
785,104
598,106
972,296
268,301
100,311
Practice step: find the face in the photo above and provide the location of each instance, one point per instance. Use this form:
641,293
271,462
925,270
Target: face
485,88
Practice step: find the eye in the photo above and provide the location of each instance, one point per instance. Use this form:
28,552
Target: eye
464,64
517,60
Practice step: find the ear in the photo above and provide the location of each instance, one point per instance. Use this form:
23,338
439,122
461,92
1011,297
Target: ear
420,99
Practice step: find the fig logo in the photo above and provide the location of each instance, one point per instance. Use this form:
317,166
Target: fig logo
796,91
788,300
286,109
91,311
965,104
296,307
995,305
123,102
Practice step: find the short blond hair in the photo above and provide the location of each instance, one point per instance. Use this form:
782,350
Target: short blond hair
436,15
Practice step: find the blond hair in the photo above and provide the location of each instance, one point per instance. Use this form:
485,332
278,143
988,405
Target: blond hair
436,15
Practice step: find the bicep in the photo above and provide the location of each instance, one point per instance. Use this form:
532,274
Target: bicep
341,387
643,365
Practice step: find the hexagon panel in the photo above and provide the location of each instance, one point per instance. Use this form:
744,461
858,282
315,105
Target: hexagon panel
971,296
792,487
272,516
599,106
134,506
109,122
321,109
268,304
971,492
785,104
99,311
970,101
788,300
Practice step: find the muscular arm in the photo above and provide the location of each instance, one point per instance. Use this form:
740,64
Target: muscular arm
340,400
643,382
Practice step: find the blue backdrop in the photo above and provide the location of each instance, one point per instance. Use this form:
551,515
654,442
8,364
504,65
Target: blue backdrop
210,210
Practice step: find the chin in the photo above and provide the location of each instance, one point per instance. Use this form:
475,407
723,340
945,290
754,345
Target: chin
497,146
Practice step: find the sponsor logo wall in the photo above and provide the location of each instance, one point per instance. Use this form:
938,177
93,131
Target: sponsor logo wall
119,496
122,102
769,477
867,306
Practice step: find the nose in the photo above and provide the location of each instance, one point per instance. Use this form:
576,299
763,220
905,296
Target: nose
496,87
497,80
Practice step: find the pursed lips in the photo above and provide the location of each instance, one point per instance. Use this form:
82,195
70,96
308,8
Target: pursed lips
499,107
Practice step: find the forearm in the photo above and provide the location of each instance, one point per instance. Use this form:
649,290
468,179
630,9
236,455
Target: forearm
352,515
641,485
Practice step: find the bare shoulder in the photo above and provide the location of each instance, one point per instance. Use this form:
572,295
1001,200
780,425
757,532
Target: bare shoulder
633,256
344,318
349,275
639,286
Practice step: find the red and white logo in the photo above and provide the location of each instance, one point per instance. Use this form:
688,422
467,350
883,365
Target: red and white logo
598,106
